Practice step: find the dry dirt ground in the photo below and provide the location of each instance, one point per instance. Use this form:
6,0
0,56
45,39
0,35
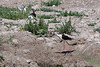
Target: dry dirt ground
22,49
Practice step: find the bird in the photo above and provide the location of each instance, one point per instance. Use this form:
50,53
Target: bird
0,19
19,8
33,14
22,9
64,37
30,17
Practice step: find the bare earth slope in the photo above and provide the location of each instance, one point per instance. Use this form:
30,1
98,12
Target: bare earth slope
27,50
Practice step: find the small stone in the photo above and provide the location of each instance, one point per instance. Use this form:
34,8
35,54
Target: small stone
26,51
96,35
34,64
28,61
15,41
53,6
40,38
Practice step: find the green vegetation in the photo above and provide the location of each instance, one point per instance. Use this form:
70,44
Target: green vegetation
65,28
92,61
70,13
92,24
98,30
46,16
10,38
62,8
49,10
1,58
40,28
14,13
52,2
53,21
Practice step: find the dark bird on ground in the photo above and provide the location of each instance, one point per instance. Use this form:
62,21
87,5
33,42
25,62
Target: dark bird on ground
33,14
64,37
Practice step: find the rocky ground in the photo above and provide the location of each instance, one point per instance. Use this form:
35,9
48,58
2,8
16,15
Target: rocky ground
22,49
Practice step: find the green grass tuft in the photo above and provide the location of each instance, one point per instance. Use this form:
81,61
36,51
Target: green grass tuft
46,16
52,2
54,21
13,13
92,24
98,30
49,10
70,13
40,28
65,28
1,58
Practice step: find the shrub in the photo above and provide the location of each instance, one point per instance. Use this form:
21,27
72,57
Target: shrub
52,2
40,28
65,28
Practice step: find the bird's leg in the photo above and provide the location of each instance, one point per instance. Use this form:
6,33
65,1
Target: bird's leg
69,47
62,49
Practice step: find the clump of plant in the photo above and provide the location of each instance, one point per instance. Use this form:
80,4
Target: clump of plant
65,27
37,28
10,38
98,30
70,13
1,58
92,24
14,13
49,10
52,2
46,16
54,21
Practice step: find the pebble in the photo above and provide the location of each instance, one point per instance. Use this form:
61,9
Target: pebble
26,51
15,41
28,61
53,6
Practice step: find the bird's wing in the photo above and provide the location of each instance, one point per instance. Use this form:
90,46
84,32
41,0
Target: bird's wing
69,36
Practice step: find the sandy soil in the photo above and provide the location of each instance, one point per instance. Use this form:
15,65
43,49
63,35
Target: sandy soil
27,50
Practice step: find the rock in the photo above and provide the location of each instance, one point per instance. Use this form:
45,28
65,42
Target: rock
26,51
13,27
96,35
53,6
34,64
28,61
40,38
66,65
15,41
